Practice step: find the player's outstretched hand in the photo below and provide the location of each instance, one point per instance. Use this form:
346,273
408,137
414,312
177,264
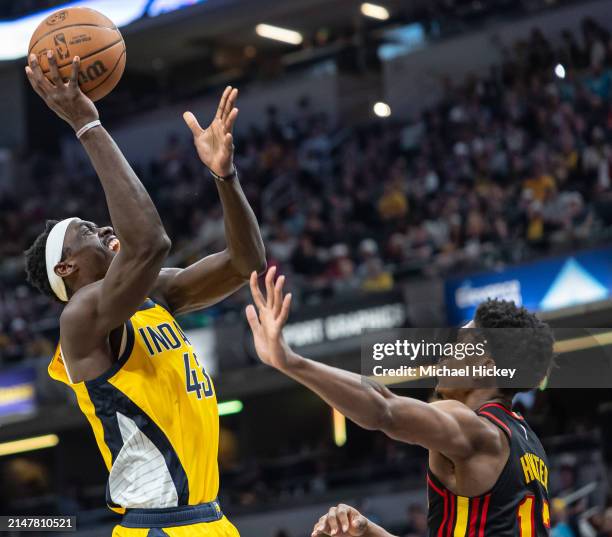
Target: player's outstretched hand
65,98
215,143
267,320
341,521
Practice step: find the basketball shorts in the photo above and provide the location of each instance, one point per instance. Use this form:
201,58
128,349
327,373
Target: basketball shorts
204,520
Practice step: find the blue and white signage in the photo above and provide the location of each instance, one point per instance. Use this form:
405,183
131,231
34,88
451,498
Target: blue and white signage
546,285
17,392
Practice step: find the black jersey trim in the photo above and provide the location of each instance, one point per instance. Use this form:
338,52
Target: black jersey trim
497,422
147,305
112,370
504,408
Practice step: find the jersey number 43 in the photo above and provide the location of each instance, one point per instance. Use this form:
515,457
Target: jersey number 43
197,379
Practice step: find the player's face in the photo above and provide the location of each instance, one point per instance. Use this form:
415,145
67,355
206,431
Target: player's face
90,247
456,388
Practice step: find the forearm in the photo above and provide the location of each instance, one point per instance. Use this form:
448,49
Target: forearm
374,530
133,214
358,398
374,407
244,242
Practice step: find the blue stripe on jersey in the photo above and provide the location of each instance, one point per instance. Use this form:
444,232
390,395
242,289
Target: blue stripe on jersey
107,401
129,347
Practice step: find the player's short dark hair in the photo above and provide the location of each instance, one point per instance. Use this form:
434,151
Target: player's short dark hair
36,264
532,345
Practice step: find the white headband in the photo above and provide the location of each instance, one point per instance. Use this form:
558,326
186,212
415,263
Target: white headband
53,255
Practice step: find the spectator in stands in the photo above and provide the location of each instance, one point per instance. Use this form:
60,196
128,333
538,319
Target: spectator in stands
341,270
371,270
393,204
565,482
560,525
505,166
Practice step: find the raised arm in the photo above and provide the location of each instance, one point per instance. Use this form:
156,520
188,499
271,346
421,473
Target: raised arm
218,275
449,427
143,242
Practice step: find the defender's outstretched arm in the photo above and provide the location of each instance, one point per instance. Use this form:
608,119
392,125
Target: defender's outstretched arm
345,521
449,427
218,275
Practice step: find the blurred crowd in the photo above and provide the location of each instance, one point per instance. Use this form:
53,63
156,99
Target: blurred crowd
323,473
509,165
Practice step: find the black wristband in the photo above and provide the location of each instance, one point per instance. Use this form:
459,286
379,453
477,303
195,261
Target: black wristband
225,177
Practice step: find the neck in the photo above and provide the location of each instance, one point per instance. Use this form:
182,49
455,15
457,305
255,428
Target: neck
74,282
476,398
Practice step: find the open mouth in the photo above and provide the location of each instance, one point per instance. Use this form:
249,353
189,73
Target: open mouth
113,244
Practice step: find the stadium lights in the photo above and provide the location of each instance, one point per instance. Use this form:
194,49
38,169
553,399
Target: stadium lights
339,428
230,407
374,11
15,34
382,109
279,34
560,71
28,444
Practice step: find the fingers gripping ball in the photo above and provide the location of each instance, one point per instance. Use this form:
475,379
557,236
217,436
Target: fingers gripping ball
83,32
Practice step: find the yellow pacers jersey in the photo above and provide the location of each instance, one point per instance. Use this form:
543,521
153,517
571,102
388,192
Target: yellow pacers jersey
154,416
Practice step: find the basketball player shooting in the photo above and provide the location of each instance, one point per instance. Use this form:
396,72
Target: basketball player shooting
137,379
488,473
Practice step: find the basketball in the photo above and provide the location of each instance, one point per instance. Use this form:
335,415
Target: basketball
86,33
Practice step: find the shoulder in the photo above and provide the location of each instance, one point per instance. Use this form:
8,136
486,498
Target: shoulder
78,334
164,284
81,308
455,408
460,412
168,273
483,434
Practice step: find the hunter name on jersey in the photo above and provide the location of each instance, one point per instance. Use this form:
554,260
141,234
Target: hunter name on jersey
535,469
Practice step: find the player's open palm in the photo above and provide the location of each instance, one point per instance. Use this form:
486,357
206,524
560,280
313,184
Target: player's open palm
64,97
341,521
267,320
215,143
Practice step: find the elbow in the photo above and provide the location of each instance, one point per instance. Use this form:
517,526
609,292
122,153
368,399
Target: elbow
381,414
380,418
245,268
161,246
257,262
156,249
384,419
387,422
164,244
260,265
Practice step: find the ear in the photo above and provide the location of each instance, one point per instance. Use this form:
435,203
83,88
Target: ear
487,361
65,268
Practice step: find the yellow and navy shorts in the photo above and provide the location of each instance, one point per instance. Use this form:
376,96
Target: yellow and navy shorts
204,520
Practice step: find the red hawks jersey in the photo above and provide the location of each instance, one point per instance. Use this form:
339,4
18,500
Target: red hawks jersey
516,506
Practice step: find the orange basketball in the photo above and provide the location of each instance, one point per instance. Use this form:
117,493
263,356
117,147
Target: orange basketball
83,32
